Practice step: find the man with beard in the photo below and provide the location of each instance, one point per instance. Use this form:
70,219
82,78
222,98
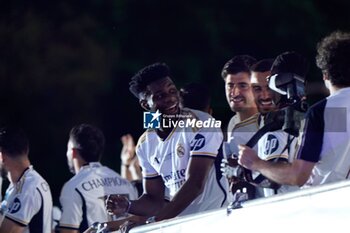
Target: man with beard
323,156
276,146
83,196
27,204
263,95
179,159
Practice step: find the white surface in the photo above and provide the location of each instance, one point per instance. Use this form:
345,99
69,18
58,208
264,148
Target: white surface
320,209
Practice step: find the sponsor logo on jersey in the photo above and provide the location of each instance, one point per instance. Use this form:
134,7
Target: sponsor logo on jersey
15,206
151,120
271,144
177,175
198,142
180,150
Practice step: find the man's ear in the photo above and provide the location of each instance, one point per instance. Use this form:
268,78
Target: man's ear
75,153
144,105
1,157
325,76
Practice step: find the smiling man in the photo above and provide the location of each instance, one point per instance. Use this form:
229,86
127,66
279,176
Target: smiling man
264,96
243,125
177,159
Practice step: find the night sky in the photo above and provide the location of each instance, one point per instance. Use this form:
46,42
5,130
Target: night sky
66,62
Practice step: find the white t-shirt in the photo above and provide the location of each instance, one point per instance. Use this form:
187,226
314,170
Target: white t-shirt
326,139
29,203
170,158
83,196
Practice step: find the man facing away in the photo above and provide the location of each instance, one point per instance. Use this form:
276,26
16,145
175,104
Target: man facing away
27,204
83,196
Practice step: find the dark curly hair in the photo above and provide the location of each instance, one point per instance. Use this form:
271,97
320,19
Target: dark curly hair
333,54
195,96
239,63
146,76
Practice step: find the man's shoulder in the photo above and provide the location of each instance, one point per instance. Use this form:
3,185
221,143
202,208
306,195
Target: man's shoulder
33,180
108,172
148,136
195,114
251,123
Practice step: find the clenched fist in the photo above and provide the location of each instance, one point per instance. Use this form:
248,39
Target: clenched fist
117,204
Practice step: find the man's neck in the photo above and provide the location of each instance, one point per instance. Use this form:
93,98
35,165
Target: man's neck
333,89
163,133
17,172
78,164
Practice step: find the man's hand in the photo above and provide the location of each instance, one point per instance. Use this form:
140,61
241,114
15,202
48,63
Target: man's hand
117,204
128,151
248,158
229,169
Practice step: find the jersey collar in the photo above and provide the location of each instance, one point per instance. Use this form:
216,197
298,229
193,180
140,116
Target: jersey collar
91,165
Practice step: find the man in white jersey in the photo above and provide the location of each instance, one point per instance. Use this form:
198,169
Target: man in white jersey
176,158
27,204
276,146
323,156
243,125
83,196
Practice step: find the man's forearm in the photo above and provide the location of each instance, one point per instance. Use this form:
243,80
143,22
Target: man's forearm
280,172
188,192
146,205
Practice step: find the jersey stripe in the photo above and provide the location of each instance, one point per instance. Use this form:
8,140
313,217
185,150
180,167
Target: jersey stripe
218,174
151,177
277,156
37,222
312,140
203,153
63,226
19,222
84,223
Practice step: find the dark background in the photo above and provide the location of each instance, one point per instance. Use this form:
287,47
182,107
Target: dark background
67,62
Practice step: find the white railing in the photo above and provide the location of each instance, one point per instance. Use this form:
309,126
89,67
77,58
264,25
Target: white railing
325,208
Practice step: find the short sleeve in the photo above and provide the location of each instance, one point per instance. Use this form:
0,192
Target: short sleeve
24,206
206,142
273,145
141,151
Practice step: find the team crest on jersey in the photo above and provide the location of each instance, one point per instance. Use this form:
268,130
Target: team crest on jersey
15,206
271,144
198,142
180,150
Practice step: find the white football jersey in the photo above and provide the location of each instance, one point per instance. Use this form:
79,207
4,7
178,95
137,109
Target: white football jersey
83,196
29,203
169,159
240,132
273,145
